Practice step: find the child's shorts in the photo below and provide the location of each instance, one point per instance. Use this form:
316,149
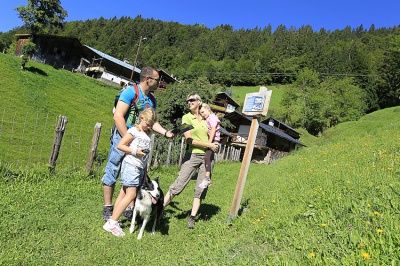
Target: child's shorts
131,175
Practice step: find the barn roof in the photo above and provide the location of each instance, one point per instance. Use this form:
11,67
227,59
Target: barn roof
238,118
113,59
165,76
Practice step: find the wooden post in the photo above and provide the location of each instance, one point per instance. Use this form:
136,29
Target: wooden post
223,153
151,151
60,128
156,160
243,170
93,148
182,151
268,157
251,108
169,153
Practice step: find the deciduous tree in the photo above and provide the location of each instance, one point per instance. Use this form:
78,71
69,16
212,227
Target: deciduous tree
40,15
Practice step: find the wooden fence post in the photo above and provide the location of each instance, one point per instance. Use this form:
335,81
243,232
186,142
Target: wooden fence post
182,151
151,151
169,153
223,153
93,147
60,129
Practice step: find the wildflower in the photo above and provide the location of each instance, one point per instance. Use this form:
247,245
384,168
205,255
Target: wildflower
369,205
361,245
348,182
379,231
258,220
312,254
323,225
273,201
335,164
377,213
365,255
265,209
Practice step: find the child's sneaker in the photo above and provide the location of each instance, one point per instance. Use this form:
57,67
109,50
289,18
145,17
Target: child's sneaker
113,227
206,183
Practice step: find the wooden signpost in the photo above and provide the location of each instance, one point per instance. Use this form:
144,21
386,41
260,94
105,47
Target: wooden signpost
255,105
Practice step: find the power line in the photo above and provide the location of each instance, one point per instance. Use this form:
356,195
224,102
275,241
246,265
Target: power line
277,74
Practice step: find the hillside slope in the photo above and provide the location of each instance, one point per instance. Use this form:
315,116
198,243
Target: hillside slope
32,100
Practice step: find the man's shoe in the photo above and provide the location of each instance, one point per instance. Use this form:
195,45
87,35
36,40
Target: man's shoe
128,213
107,212
191,222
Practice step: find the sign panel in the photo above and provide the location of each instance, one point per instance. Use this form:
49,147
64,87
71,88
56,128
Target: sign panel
257,103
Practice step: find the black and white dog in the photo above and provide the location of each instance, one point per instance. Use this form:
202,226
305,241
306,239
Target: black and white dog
149,202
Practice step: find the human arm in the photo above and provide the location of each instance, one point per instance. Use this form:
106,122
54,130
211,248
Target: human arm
197,143
123,145
213,122
212,134
119,117
159,129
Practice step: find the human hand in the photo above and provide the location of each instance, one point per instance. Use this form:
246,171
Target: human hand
213,146
169,134
142,152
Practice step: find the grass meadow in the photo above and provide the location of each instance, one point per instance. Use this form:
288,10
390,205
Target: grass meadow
31,102
334,202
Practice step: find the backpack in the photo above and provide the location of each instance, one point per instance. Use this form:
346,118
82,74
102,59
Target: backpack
135,99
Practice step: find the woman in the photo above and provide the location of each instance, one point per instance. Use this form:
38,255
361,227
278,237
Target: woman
197,139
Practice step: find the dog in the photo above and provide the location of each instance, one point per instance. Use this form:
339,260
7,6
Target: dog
149,203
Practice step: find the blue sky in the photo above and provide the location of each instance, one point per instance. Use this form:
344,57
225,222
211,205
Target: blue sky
248,14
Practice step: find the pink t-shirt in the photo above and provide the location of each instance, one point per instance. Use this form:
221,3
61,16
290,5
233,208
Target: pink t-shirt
213,121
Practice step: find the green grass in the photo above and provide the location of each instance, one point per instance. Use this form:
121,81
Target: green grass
336,202
32,100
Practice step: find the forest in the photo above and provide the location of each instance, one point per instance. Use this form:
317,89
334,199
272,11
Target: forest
334,76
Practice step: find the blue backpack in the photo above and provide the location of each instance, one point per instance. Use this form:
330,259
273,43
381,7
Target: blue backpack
135,99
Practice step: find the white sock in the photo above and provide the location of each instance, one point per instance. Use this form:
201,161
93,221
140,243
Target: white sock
112,221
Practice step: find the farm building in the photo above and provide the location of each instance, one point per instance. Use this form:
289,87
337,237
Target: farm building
111,69
68,53
57,51
274,138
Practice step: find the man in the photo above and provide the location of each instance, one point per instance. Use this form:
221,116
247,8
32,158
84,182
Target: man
125,115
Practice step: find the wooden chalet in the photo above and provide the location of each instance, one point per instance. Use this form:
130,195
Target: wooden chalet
110,69
274,139
57,51
68,53
224,103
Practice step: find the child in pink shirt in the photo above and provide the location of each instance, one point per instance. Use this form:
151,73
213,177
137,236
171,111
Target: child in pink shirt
214,135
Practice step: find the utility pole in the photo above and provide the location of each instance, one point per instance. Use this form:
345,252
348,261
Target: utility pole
136,57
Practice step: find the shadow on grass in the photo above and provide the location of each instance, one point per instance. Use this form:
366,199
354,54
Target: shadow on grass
206,211
36,71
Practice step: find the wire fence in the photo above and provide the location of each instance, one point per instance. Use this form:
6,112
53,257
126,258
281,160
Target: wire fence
27,137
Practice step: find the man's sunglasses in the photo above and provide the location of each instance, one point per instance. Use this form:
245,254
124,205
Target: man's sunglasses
191,100
157,80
